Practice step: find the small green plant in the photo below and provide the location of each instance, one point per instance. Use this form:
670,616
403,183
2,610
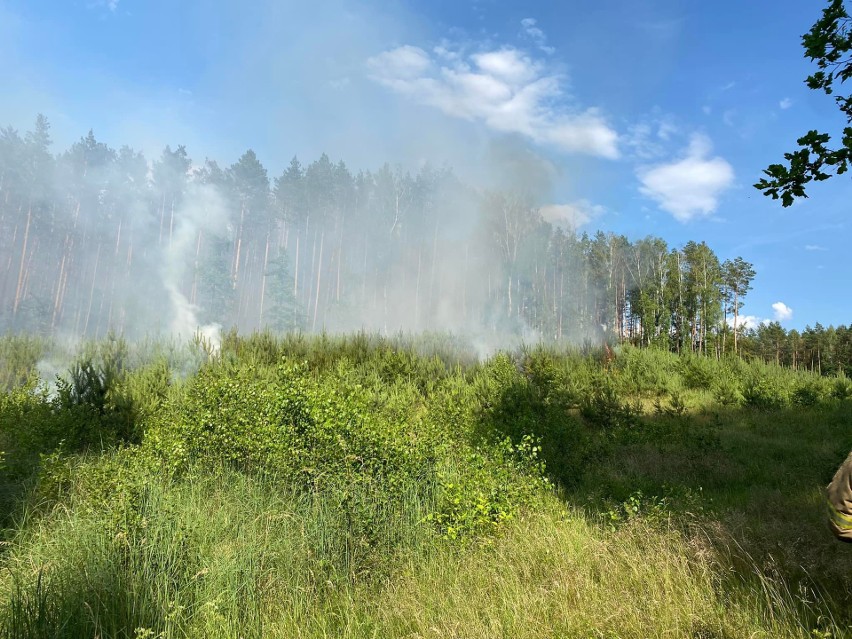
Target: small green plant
808,394
698,372
676,407
842,388
605,408
765,393
727,391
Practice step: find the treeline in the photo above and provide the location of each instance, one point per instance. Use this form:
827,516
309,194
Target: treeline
95,239
825,350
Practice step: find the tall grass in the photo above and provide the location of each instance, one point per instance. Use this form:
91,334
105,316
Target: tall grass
235,557
354,486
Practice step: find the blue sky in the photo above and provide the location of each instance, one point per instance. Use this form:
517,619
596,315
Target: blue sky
628,116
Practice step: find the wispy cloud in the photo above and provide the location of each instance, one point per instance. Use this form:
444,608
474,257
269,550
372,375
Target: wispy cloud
782,311
786,103
506,89
814,247
651,136
112,5
691,186
536,35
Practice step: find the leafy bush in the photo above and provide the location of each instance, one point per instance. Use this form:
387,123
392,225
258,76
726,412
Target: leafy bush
726,389
842,388
287,423
604,407
647,372
810,393
485,487
698,372
765,393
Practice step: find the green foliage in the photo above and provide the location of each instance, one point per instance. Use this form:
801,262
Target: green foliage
829,44
606,408
842,387
726,390
811,393
765,393
345,427
19,356
280,420
485,487
288,475
676,408
646,372
698,372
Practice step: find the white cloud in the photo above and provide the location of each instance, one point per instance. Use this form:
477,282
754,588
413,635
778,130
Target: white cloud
782,314
689,187
747,321
505,89
571,216
536,35
782,311
786,103
814,247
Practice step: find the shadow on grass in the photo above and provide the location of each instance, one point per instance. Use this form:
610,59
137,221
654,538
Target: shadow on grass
751,482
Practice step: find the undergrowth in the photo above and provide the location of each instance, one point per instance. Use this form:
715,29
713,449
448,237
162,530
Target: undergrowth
354,486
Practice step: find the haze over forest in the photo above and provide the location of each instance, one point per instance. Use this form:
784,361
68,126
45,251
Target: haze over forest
98,239
454,182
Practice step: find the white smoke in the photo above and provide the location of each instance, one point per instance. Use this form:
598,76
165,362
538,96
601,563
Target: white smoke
202,213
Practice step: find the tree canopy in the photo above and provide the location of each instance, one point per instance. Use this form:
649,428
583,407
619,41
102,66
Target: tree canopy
829,44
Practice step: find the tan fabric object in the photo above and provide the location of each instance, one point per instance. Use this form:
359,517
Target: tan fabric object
840,501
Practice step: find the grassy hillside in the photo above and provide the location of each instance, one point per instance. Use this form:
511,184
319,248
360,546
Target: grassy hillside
360,487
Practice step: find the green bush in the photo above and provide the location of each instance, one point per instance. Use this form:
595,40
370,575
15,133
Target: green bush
698,372
726,389
604,407
765,393
485,487
646,372
809,393
842,387
284,422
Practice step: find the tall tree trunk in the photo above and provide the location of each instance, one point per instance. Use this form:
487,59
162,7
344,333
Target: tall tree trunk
736,315
319,274
417,291
92,290
19,289
58,295
296,272
263,280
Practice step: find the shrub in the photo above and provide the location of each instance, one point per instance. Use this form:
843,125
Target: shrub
604,407
485,487
809,393
765,393
842,387
648,371
726,389
698,372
